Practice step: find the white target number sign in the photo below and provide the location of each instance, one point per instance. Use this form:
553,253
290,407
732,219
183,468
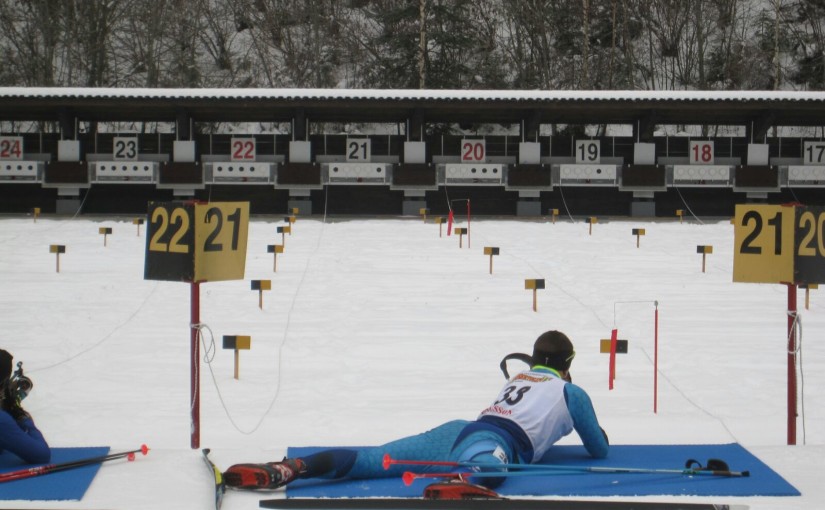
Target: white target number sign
701,152
588,151
359,150
125,148
11,147
813,153
242,149
473,151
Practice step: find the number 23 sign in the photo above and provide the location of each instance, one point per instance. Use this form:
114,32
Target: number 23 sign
779,244
196,242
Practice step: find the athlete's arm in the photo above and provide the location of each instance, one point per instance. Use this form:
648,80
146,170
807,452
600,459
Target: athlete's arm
585,422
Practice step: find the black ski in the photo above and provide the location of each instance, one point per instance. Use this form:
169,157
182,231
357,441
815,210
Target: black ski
479,504
220,486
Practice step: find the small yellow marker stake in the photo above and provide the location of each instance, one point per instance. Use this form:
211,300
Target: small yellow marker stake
291,220
137,222
424,212
104,231
534,285
704,250
554,213
491,251
35,213
57,249
680,213
808,287
638,232
261,286
592,220
460,232
283,231
275,249
440,220
237,343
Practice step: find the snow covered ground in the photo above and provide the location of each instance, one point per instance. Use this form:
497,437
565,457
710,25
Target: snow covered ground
379,328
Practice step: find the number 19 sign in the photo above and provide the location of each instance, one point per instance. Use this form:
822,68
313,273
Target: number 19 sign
779,244
196,242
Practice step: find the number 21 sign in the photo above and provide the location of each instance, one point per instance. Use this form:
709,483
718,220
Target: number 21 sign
779,244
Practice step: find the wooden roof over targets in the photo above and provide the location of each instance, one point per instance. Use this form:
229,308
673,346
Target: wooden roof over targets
391,106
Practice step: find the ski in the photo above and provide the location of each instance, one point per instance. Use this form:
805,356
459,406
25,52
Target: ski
220,486
481,504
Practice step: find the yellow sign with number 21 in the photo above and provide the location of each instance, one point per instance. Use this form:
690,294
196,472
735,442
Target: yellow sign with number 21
779,244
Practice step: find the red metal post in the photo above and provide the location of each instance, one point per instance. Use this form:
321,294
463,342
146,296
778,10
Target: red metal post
614,335
194,393
656,358
468,223
791,364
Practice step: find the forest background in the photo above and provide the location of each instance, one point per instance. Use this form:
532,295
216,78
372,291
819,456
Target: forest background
415,44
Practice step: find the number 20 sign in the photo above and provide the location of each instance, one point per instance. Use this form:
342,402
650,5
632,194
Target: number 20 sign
196,242
779,244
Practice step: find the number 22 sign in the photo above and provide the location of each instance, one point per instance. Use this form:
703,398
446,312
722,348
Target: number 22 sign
242,149
196,242
779,244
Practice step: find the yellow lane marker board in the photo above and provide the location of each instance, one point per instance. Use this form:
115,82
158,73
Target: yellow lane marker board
275,249
638,232
237,343
460,232
105,232
57,249
534,285
196,242
491,251
138,222
440,221
592,220
261,286
779,244
808,287
705,250
284,230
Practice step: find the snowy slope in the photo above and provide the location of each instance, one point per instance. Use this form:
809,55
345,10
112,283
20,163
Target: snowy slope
379,328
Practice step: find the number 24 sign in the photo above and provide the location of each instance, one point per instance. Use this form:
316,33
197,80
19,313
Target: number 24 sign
779,244
196,242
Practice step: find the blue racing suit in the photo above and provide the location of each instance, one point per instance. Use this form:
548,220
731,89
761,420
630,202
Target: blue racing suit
22,438
493,437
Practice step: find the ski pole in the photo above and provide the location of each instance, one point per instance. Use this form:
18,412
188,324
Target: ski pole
64,466
409,477
389,461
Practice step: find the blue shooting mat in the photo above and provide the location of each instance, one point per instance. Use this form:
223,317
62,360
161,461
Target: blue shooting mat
63,485
763,481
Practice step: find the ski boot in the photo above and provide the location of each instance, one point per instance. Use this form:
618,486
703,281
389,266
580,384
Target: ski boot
271,475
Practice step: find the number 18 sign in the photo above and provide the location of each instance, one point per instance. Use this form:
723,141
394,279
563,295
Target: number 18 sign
196,242
779,244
